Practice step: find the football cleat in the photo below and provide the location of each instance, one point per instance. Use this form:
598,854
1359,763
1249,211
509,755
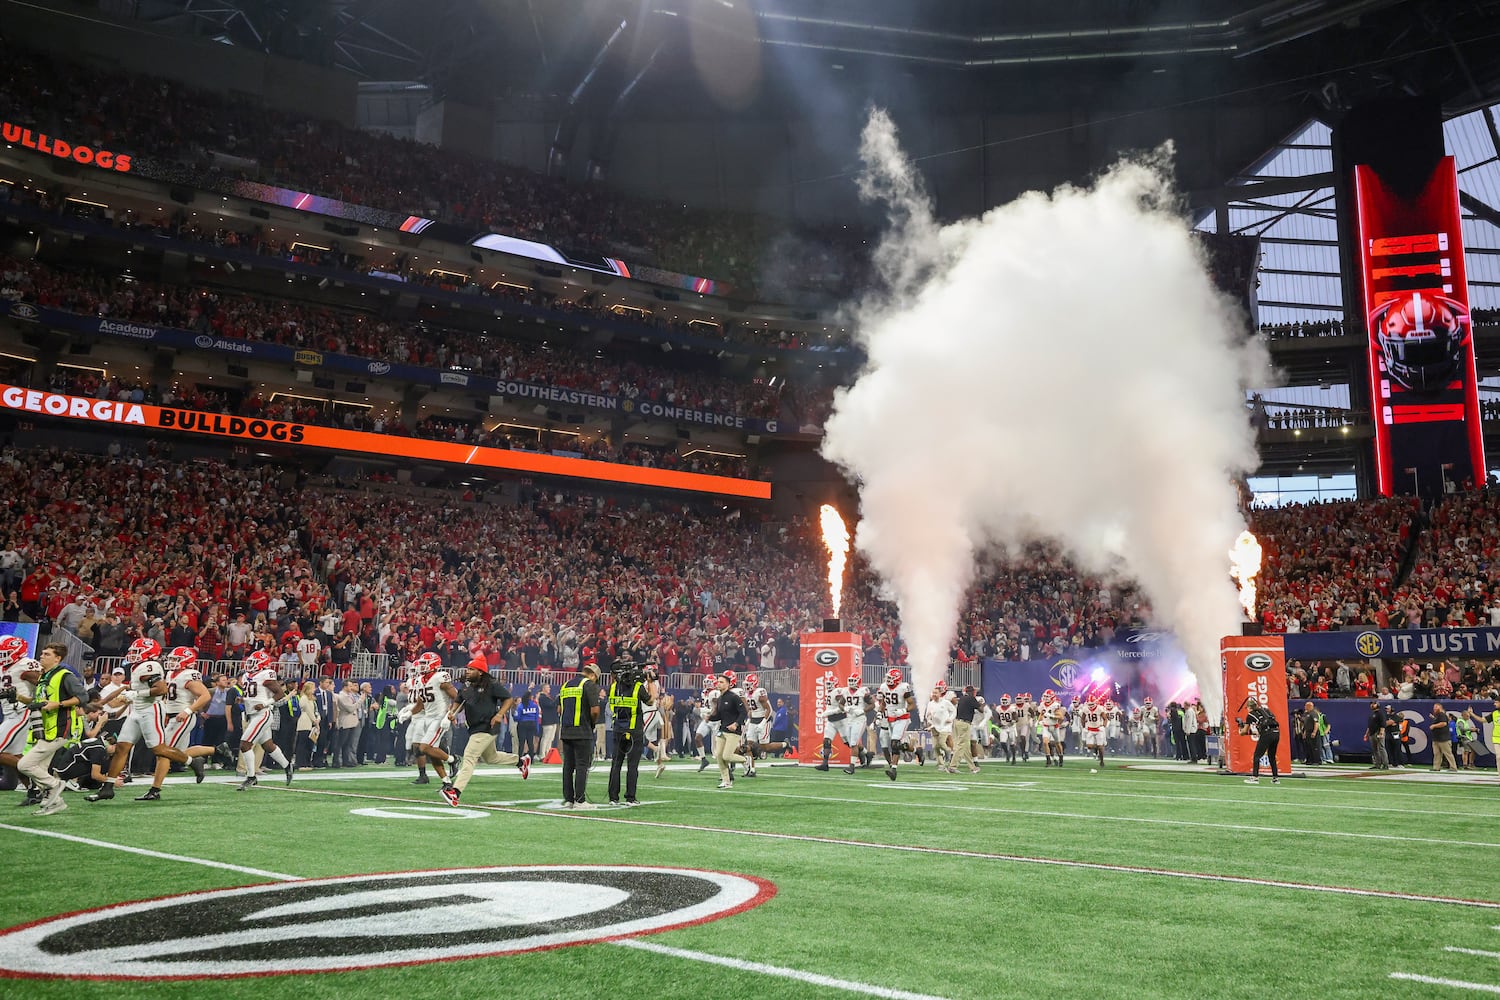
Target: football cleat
154,795
247,784
197,764
289,770
106,791
525,765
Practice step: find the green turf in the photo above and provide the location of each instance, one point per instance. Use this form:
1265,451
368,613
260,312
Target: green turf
936,924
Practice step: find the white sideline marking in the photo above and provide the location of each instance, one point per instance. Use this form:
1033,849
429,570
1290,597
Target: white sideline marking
1473,951
1457,984
775,970
697,956
1112,819
150,854
1336,890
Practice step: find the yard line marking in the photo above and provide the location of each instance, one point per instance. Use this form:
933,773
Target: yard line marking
1472,951
1458,984
595,817
697,956
148,853
1152,821
774,970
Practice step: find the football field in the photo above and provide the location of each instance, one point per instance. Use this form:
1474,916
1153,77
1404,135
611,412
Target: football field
1021,881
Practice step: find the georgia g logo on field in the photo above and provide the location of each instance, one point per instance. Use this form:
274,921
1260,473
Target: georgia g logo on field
1259,662
826,657
369,921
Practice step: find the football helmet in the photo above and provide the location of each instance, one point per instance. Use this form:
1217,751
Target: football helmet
730,676
854,680
1048,694
181,658
893,677
256,661
1422,338
752,681
429,662
143,648
12,648
1005,701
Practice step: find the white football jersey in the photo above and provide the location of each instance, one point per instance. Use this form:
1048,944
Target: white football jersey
308,650
258,697
1005,716
853,700
431,690
13,673
757,710
1094,717
892,700
178,697
940,715
145,673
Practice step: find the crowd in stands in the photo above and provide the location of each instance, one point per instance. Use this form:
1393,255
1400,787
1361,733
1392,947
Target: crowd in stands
335,331
331,413
179,225
557,578
175,124
1303,329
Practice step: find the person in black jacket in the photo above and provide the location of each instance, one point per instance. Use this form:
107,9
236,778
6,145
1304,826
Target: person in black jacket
730,714
1267,738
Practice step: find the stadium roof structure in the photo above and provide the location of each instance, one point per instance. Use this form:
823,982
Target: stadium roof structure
1297,222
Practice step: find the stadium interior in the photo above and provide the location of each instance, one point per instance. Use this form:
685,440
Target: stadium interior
508,332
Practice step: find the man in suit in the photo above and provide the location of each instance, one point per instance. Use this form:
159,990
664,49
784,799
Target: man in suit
323,698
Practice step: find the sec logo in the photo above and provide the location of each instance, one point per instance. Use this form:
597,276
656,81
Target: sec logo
826,657
1369,644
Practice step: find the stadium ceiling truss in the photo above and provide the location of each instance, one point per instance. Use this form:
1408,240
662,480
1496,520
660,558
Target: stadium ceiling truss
1287,200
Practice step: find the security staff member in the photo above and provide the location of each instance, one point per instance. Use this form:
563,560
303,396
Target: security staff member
578,708
1268,737
57,722
628,696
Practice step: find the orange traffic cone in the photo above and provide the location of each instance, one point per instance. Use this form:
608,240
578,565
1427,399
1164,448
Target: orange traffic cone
553,757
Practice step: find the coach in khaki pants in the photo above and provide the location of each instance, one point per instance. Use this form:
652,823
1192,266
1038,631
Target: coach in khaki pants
963,728
730,715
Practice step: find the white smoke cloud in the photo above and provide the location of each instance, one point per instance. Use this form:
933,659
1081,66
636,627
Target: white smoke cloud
1061,368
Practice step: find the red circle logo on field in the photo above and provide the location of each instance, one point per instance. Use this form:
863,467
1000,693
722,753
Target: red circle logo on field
370,921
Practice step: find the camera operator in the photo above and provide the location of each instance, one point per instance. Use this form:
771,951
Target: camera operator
628,697
87,763
1267,738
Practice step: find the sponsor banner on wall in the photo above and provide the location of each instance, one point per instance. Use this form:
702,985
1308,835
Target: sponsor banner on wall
1374,644
146,416
1348,720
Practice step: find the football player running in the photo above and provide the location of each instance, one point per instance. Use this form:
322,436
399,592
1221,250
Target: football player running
144,670
895,707
434,695
706,730
179,696
1007,716
260,691
758,729
1027,716
844,715
15,700
1095,719
1054,726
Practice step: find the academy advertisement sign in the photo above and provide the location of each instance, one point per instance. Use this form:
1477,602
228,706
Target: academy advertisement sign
357,922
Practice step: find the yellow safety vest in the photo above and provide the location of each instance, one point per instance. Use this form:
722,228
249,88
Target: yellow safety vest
59,723
631,701
572,690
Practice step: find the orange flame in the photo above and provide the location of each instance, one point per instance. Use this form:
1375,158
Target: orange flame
836,539
1244,564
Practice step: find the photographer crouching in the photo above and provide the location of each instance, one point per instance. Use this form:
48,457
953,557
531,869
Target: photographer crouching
1267,738
628,696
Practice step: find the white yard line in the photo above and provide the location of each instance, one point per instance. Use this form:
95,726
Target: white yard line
775,970
950,852
150,854
1238,827
1472,951
1457,984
